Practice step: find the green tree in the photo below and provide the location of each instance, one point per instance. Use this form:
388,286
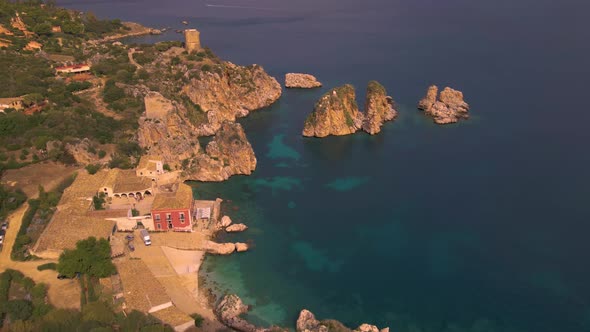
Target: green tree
91,257
19,309
42,29
98,311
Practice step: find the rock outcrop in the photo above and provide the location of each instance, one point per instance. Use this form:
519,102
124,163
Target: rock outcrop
308,323
229,93
164,131
225,221
236,228
219,248
448,108
241,247
81,151
378,108
229,310
336,113
227,154
301,81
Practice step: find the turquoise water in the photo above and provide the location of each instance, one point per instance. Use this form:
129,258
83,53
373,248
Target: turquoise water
478,226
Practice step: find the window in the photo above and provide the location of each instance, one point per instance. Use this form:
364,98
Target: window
168,217
170,225
159,226
157,217
182,217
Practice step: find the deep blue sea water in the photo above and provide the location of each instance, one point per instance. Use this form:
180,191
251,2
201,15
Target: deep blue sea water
478,226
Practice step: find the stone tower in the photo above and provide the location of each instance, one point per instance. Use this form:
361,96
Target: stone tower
192,40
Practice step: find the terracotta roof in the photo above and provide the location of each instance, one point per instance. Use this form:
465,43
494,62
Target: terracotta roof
148,162
73,221
125,181
142,290
182,198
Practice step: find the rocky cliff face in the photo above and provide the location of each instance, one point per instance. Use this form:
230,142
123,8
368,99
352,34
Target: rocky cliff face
448,108
378,108
230,92
301,81
336,113
227,154
230,308
166,133
308,323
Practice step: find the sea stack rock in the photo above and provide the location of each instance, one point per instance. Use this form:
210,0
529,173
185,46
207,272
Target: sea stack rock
378,108
336,113
236,228
229,310
448,108
229,153
301,81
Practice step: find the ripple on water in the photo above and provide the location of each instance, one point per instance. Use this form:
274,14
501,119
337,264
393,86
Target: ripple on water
348,183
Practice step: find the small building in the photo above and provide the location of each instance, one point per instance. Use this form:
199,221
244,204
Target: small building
15,103
150,166
192,40
173,211
73,69
125,184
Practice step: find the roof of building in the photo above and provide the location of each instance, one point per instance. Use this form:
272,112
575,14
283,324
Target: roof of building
142,290
74,221
79,66
181,199
8,101
125,181
148,162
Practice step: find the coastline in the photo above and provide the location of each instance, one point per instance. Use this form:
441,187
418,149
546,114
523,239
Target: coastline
136,30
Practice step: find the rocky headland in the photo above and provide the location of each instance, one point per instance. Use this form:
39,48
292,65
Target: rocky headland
449,107
301,81
379,107
229,92
229,153
336,112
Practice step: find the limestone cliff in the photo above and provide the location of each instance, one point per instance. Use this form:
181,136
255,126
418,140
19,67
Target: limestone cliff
227,154
230,92
336,113
308,323
378,108
448,108
164,131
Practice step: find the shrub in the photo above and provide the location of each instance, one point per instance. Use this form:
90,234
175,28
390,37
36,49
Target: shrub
102,154
198,319
93,168
47,266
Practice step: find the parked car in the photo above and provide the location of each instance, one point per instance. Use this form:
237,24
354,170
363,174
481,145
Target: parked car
61,277
5,225
1,239
131,247
129,237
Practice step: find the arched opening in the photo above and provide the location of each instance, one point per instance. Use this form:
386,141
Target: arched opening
147,193
117,196
138,195
131,195
123,195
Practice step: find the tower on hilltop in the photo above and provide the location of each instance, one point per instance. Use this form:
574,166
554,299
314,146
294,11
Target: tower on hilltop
192,40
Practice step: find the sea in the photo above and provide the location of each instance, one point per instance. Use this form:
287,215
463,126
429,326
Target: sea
483,225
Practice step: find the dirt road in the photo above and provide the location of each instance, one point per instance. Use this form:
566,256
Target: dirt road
62,293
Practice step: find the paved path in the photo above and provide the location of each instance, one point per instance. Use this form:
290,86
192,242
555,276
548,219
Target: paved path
62,293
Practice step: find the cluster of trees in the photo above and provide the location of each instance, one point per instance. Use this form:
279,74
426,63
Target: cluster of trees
30,306
41,209
10,200
31,312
